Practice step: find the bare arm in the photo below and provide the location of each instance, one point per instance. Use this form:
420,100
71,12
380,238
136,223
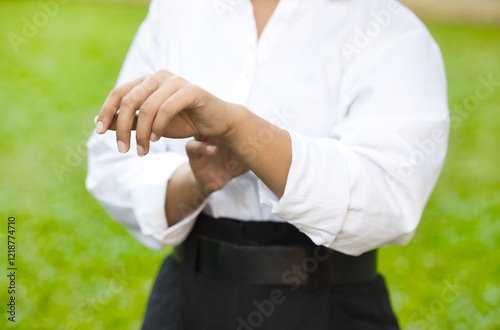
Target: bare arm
171,107
184,195
265,148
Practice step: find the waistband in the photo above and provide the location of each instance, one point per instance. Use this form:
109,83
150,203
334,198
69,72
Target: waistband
268,253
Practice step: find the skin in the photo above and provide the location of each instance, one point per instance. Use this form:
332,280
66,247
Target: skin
229,140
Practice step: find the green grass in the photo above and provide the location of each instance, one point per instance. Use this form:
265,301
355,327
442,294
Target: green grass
70,251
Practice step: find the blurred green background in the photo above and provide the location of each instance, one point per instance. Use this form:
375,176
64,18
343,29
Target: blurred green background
78,269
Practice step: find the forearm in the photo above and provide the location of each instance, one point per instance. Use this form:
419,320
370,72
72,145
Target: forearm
265,148
184,195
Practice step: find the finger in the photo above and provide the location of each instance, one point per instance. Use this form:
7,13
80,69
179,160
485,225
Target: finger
171,107
196,149
200,137
128,107
147,114
211,140
112,125
112,103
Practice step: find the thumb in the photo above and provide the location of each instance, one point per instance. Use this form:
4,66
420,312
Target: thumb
196,148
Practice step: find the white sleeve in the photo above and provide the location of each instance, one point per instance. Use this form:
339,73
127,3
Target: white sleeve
133,189
367,186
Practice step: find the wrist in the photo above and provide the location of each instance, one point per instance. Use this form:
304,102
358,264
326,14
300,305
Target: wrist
236,113
198,188
201,189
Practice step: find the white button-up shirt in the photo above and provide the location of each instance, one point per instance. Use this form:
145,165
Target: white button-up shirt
359,85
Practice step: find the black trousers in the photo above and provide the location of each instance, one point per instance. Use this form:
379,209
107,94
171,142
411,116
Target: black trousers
185,296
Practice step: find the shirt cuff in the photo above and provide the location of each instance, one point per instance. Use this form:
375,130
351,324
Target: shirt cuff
148,200
316,196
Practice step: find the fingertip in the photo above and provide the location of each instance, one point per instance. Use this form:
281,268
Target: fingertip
154,137
122,147
100,127
141,151
211,149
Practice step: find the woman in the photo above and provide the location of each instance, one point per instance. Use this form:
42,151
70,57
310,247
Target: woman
320,128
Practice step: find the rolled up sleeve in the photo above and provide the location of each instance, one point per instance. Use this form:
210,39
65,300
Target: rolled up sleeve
133,189
367,185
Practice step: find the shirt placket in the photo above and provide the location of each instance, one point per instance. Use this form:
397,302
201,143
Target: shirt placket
258,50
284,13
244,81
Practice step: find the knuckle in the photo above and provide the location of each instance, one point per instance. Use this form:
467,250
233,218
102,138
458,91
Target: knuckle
106,111
151,83
146,108
114,93
124,104
191,89
162,74
164,107
147,115
127,101
195,93
176,80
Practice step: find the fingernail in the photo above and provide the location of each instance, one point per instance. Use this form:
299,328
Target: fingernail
122,147
153,137
95,119
99,127
211,148
140,151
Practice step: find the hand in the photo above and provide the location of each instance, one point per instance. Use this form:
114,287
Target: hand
169,106
213,164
